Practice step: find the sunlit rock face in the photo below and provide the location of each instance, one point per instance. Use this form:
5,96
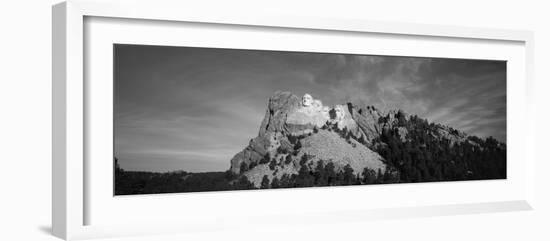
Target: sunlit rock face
289,115
310,114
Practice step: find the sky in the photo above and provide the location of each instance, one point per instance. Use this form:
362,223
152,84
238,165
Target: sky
193,109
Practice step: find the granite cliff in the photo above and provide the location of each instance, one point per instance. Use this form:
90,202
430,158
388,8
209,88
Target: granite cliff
303,143
298,132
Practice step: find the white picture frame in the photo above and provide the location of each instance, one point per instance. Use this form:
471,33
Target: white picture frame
73,192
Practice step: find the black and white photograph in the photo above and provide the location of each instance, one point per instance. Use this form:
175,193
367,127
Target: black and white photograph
277,120
191,119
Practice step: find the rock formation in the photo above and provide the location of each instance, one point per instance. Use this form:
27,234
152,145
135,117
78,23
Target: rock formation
310,114
321,135
300,132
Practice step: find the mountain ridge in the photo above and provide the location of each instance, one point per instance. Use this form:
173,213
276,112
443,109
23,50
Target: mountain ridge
346,135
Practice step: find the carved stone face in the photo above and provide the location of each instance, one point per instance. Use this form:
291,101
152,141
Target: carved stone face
307,100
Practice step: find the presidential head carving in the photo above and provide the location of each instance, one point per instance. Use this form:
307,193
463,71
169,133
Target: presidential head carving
307,100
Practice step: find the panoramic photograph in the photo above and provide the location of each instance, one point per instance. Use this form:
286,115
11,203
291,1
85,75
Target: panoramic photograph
190,119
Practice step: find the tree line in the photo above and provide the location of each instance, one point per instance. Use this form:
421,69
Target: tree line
325,174
425,155
130,182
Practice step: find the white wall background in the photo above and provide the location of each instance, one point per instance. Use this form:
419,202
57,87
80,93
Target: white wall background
25,123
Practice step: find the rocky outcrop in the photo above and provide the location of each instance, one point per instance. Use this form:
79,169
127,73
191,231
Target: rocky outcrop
317,131
343,120
253,153
367,118
454,136
279,106
272,130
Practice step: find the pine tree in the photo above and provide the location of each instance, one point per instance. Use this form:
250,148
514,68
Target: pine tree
369,176
349,177
275,183
265,182
297,146
320,175
244,167
243,183
266,158
288,159
330,173
304,178
272,164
